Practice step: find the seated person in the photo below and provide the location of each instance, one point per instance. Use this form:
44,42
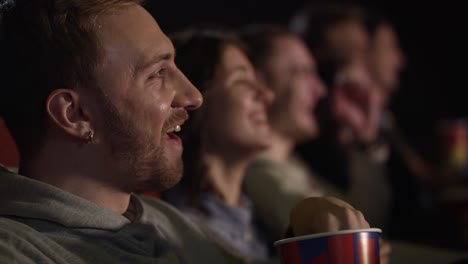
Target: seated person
93,98
219,144
284,64
350,154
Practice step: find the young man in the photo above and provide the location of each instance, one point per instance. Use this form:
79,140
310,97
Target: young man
92,97
286,67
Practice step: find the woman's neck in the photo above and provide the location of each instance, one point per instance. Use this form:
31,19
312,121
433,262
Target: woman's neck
225,177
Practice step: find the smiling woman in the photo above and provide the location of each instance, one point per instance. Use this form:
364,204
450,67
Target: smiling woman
221,139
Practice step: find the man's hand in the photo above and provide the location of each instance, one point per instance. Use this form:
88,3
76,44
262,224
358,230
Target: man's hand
356,103
325,214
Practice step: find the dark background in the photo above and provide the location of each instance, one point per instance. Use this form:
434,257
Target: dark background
431,35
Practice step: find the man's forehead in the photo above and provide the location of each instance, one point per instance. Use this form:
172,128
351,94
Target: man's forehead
131,28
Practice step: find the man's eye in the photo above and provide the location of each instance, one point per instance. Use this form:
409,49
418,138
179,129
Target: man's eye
158,74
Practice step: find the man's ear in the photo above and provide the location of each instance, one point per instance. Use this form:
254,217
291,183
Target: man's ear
66,110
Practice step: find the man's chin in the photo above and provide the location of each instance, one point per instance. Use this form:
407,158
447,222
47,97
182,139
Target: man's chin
306,132
162,179
160,183
170,182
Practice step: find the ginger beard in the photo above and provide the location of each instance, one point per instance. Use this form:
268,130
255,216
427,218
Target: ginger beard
146,167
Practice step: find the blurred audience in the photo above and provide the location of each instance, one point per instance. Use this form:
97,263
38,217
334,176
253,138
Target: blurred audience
286,67
386,59
413,178
279,178
344,69
392,179
334,33
344,151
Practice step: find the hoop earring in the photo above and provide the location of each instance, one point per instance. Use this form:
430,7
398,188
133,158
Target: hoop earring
90,137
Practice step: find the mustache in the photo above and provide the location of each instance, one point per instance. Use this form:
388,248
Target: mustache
177,117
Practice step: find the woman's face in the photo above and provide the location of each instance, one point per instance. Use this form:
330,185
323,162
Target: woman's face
235,115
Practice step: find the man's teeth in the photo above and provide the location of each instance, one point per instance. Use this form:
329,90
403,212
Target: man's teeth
175,129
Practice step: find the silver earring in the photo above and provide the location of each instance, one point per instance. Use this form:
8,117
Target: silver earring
90,137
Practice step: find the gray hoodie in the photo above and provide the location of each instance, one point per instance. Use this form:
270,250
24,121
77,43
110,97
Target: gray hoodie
40,223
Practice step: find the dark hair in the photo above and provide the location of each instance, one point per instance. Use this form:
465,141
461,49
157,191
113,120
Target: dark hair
260,40
313,22
45,45
199,50
373,20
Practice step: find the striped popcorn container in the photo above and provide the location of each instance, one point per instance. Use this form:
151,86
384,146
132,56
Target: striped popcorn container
358,246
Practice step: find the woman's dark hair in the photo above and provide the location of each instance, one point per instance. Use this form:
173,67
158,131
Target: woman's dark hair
199,51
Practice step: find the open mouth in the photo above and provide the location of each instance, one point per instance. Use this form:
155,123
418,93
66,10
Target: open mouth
174,125
171,133
174,129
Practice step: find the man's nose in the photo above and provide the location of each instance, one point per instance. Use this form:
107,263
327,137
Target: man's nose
187,95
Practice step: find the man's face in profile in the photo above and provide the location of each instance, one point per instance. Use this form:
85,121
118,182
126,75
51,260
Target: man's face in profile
297,86
141,99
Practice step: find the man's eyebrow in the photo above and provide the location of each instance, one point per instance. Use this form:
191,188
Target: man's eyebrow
156,59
